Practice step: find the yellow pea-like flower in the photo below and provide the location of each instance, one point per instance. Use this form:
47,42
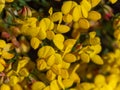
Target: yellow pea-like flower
2,61
5,87
7,55
84,24
117,34
62,29
17,87
76,13
65,65
100,80
1,67
94,2
68,6
58,41
69,57
92,34
94,15
2,43
67,18
54,85
67,83
85,86
2,5
50,75
42,34
50,34
84,11
51,60
38,85
13,80
59,80
41,64
58,58
97,60
113,1
35,42
64,73
47,88
9,1
85,57
56,69
74,76
57,16
46,24
46,51
24,72
86,4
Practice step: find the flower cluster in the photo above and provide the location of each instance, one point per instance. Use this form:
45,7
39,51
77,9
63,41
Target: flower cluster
58,51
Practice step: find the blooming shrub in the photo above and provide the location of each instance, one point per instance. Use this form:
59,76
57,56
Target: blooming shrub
59,45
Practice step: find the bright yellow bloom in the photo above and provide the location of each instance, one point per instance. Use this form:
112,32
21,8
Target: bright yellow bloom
67,18
38,85
69,57
1,67
2,5
17,87
46,51
58,41
13,80
84,24
5,87
24,72
94,2
94,15
2,43
97,60
9,1
41,64
50,75
35,42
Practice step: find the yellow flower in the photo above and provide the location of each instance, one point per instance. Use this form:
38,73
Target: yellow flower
67,18
69,57
77,13
68,6
84,24
1,67
58,41
41,64
24,72
85,57
13,80
5,87
54,85
67,83
94,15
2,5
86,5
97,60
17,87
38,85
2,43
50,34
99,80
50,75
7,55
64,73
56,69
45,51
35,42
62,29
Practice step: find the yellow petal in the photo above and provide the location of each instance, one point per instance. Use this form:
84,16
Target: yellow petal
67,83
51,60
97,60
58,58
60,82
86,4
35,42
2,5
7,55
94,15
17,87
94,2
85,57
50,75
67,6
84,11
58,41
13,80
54,85
42,34
38,85
84,24
5,87
41,64
76,13
69,57
64,73
45,52
67,18
1,68
57,16
62,29
56,69
50,34
24,72
2,43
